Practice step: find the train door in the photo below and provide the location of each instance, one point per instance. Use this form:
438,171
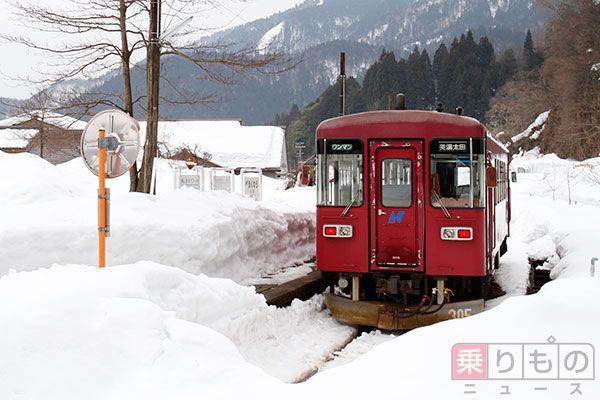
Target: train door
491,217
397,205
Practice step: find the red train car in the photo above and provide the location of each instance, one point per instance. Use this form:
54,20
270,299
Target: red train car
413,214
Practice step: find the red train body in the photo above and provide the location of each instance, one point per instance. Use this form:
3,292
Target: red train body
412,214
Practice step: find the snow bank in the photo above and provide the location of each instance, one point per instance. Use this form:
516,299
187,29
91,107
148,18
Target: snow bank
28,179
48,216
359,346
564,234
149,330
547,175
418,363
76,332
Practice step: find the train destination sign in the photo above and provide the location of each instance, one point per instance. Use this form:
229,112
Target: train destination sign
453,147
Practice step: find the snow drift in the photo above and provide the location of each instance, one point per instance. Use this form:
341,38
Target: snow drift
48,216
149,330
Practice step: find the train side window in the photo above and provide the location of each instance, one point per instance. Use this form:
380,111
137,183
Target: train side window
396,182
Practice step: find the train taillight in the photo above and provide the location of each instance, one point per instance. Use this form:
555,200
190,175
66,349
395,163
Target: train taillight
456,233
464,234
337,231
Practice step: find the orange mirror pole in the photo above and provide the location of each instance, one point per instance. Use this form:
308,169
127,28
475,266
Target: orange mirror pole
102,197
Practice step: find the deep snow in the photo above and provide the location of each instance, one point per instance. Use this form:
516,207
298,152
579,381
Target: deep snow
151,331
48,216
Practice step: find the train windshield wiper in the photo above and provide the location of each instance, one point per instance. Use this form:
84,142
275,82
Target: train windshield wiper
354,195
437,198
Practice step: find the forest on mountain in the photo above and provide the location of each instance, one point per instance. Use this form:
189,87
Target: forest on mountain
506,92
465,75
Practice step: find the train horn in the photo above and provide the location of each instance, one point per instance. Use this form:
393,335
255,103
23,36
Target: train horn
400,103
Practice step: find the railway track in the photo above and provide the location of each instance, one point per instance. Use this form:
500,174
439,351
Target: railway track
303,288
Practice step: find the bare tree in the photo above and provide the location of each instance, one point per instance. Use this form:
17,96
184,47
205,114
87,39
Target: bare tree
571,173
105,36
572,49
592,171
553,177
203,57
94,28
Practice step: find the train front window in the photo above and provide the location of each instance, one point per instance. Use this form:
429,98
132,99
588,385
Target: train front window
339,172
458,173
396,182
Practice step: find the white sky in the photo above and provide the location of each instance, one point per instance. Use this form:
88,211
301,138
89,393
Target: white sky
18,61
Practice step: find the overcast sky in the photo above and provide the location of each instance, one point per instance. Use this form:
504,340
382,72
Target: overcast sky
20,61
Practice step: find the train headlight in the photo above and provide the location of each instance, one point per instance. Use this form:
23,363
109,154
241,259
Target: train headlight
448,233
343,282
457,233
345,231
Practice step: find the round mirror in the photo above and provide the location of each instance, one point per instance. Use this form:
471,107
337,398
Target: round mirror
122,139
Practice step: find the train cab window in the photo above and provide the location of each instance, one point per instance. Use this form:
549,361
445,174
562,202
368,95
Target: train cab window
339,172
396,182
458,173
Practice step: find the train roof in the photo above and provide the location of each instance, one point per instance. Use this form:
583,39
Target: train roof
414,123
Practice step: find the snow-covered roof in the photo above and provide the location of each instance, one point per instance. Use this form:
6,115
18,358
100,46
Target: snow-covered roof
230,143
52,118
16,138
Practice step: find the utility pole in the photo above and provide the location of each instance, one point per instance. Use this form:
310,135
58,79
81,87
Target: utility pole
152,85
300,146
342,81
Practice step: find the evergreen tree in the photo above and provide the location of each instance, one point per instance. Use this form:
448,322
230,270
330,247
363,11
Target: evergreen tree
532,59
294,112
414,74
507,67
441,73
426,84
381,79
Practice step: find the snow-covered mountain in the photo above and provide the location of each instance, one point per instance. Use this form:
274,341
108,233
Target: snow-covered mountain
316,31
394,24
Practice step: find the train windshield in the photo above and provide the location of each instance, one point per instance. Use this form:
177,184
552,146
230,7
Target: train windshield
339,172
458,173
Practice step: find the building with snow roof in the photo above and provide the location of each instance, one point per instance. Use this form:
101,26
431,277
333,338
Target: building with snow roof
52,136
229,143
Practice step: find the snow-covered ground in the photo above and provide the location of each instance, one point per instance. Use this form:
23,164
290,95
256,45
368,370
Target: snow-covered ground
151,331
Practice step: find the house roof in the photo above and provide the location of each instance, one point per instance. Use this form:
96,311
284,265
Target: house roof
62,121
230,143
16,138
